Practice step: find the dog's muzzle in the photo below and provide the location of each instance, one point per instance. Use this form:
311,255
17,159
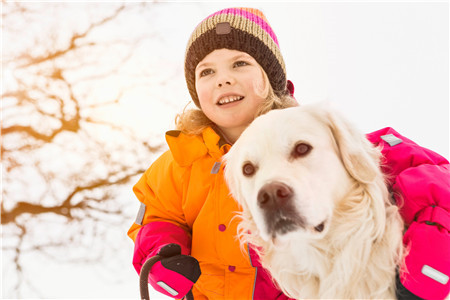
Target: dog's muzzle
276,201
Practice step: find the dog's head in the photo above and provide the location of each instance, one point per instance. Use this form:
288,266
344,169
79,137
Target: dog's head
291,167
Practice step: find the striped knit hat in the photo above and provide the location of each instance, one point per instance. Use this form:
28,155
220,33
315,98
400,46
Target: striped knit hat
243,29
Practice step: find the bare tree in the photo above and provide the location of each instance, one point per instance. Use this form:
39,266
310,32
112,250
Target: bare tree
63,158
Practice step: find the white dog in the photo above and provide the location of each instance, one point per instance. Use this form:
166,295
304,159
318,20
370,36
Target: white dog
315,204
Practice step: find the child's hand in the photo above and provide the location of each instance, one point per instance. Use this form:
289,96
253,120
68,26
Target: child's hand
175,274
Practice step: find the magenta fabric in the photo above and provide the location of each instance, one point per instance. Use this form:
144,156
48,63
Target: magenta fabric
403,156
153,236
420,180
290,87
429,246
425,194
264,288
173,279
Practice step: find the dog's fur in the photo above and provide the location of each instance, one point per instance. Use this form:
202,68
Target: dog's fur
339,235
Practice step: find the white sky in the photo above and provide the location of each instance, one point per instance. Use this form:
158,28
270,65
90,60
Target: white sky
382,64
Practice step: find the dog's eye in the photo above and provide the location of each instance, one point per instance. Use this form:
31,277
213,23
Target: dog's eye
248,169
301,149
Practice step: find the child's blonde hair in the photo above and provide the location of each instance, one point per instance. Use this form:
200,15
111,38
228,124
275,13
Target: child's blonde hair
194,121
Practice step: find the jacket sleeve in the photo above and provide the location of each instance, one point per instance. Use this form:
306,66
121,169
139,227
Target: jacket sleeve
161,219
420,181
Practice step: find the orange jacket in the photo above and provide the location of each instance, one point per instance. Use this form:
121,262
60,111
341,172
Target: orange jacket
188,201
185,187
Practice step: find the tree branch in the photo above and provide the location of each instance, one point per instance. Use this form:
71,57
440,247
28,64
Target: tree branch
73,42
66,207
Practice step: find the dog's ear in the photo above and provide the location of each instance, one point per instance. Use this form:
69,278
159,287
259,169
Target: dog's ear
360,157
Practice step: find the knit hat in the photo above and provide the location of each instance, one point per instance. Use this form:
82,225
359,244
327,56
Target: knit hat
243,29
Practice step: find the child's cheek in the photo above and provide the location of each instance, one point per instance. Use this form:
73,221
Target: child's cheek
204,97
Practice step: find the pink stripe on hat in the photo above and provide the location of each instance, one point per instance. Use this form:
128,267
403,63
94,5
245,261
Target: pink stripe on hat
253,16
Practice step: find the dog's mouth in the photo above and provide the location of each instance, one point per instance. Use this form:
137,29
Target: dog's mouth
283,225
319,228
280,223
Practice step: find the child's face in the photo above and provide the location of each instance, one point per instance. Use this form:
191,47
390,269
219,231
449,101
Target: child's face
230,86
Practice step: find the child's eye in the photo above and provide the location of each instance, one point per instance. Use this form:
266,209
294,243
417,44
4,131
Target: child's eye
205,72
240,64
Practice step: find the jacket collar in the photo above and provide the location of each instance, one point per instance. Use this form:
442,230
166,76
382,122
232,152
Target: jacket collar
188,148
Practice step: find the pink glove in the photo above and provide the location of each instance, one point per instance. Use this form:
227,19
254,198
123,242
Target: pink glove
425,208
428,261
175,274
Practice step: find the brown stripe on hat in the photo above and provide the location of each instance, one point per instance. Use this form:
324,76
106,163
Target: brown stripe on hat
242,23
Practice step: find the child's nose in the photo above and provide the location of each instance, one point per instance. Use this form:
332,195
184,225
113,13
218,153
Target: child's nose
220,84
224,79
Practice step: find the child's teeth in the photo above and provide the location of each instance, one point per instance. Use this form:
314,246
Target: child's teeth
229,99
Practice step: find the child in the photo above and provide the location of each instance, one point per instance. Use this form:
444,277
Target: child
234,72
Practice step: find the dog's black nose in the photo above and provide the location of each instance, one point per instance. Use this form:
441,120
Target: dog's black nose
273,195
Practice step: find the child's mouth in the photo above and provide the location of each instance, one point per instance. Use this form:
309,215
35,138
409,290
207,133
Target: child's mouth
230,99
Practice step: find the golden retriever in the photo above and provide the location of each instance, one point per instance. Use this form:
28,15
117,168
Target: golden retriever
315,204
